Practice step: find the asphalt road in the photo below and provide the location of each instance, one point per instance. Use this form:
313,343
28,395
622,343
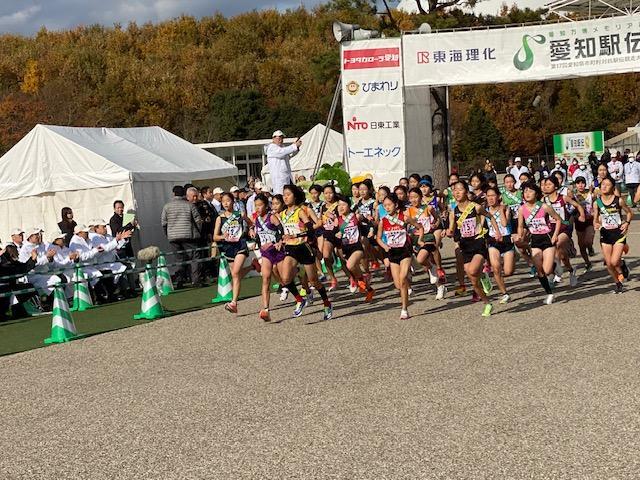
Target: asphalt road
535,391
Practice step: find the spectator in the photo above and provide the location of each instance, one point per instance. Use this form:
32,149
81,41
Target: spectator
116,227
632,177
573,167
278,161
616,170
10,266
40,277
557,167
17,238
238,206
564,166
99,238
258,187
517,170
605,158
208,213
182,225
625,156
583,171
217,195
543,170
81,244
244,195
593,163
67,224
509,165
489,170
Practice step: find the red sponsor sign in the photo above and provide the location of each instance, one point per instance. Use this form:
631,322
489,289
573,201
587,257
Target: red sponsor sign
371,58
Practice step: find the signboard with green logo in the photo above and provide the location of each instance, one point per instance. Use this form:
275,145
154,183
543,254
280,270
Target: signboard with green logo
578,145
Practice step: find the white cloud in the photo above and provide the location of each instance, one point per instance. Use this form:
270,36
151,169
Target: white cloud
19,17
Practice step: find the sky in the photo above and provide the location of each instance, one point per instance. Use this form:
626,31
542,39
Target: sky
28,16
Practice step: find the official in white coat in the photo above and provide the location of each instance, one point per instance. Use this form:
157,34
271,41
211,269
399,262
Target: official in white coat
86,253
278,161
100,239
40,277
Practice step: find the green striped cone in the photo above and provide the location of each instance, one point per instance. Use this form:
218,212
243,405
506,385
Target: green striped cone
163,278
62,327
224,293
81,295
337,265
151,307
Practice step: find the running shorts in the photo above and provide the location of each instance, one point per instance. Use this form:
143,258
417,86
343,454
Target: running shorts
610,237
472,247
541,241
301,253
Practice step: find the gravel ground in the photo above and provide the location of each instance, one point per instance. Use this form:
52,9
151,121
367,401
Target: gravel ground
534,391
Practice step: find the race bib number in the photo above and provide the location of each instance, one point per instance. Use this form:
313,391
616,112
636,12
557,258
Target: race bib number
329,223
426,223
233,233
538,226
266,237
559,210
611,221
351,235
468,228
396,238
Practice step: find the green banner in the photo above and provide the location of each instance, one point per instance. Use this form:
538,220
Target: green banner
578,145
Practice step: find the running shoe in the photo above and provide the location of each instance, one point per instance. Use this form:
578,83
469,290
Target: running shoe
303,292
533,272
264,315
590,251
588,267
231,307
474,297
505,299
461,290
558,269
299,306
404,315
557,279
442,291
433,277
410,292
328,312
549,299
485,281
310,298
362,285
322,278
353,286
333,284
573,278
375,265
275,287
442,277
488,308
284,295
625,270
619,288
370,294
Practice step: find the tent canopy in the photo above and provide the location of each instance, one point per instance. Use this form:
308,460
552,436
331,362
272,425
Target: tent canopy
304,161
57,159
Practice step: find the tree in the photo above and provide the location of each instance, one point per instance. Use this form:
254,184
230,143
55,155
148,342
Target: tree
481,138
440,5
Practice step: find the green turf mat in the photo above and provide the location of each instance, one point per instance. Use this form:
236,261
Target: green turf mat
29,333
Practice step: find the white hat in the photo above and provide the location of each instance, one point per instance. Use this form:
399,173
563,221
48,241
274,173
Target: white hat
97,222
258,185
217,191
234,189
277,133
517,159
17,231
57,235
33,231
80,228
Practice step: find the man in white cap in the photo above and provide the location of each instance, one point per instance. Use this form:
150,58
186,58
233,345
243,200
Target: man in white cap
107,259
278,161
517,170
217,195
258,187
238,205
81,244
17,237
40,277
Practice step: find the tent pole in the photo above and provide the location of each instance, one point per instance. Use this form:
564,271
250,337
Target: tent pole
327,129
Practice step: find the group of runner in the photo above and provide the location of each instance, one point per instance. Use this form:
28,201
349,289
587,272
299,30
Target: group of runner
300,236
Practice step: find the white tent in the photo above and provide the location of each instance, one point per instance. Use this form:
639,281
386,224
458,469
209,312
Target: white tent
304,161
626,140
88,168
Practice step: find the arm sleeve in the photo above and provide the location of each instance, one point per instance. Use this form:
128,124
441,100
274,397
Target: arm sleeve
281,152
197,219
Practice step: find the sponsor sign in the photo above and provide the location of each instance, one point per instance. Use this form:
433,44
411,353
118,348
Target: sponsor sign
518,54
578,145
371,58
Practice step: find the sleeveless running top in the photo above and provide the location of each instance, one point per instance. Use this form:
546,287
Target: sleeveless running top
468,224
329,221
395,230
610,215
513,200
365,207
232,227
317,208
560,206
266,231
504,231
586,200
348,227
536,220
427,220
294,226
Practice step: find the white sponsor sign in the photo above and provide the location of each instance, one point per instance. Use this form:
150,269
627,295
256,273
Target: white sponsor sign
373,112
541,52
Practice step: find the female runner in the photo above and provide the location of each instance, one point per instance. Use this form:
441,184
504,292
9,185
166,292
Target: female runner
429,197
230,232
296,223
559,203
585,230
349,235
535,216
268,231
466,227
512,198
613,230
365,213
393,238
428,254
501,253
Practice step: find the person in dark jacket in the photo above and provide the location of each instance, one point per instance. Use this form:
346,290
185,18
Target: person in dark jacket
182,224
116,227
67,225
9,267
